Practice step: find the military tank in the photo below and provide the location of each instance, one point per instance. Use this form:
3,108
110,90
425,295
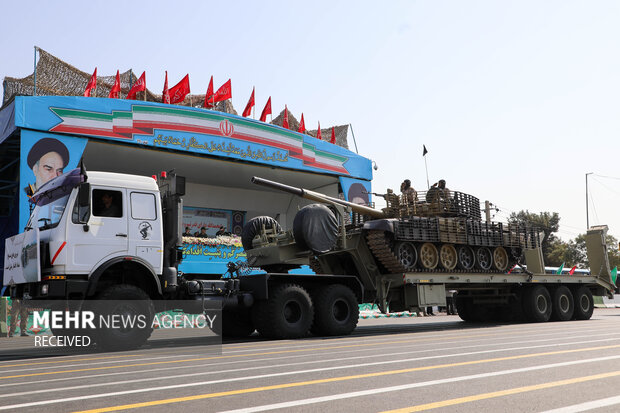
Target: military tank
437,230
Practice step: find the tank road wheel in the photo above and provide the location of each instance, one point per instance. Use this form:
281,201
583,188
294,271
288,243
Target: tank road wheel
336,311
537,304
407,255
563,306
288,312
466,257
484,258
429,257
500,259
584,304
448,257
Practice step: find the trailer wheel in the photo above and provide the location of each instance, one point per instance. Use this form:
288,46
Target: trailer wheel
563,305
537,304
131,303
584,303
288,312
237,324
336,311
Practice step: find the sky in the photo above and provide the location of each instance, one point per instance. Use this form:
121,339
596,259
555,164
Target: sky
515,100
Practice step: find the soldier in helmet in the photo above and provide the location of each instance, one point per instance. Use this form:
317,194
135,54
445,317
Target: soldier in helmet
409,194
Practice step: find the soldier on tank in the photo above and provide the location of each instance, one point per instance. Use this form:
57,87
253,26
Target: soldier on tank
409,194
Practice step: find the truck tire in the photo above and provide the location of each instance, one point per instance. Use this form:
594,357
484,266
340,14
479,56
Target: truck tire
537,304
253,227
237,324
563,305
336,311
584,303
123,299
288,313
463,308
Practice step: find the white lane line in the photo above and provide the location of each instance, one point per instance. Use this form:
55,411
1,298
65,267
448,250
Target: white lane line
56,366
264,376
583,407
271,359
424,339
378,390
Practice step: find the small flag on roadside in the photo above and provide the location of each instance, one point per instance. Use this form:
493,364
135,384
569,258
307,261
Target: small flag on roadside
559,271
424,151
116,88
614,275
92,84
266,110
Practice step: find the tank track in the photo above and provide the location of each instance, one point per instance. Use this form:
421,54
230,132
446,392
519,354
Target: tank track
379,245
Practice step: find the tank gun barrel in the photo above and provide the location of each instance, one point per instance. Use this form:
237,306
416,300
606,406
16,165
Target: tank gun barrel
317,197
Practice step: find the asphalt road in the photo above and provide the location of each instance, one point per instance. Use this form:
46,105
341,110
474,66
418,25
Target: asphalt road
415,364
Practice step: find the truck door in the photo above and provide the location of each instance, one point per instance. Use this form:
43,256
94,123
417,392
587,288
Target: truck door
145,228
106,236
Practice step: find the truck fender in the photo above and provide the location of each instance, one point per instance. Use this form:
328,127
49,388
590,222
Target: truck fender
386,225
94,276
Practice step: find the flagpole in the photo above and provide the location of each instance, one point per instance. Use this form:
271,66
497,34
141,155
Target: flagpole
428,185
34,93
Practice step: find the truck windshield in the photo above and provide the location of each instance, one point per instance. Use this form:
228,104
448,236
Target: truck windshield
47,216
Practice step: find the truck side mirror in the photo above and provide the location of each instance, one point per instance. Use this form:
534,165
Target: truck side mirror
83,203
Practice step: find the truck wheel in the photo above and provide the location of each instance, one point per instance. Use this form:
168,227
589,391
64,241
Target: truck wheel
563,306
288,312
130,302
336,311
584,304
237,324
463,307
537,304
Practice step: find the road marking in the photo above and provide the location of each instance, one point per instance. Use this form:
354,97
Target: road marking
271,359
288,373
582,407
371,392
284,385
501,393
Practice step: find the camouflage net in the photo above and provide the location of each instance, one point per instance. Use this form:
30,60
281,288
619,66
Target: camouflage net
58,78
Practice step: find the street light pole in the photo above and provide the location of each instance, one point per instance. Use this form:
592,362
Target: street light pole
587,216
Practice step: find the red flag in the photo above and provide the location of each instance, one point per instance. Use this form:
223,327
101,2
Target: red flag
165,96
266,111
318,133
179,91
116,88
139,86
223,93
209,96
285,120
92,84
302,125
333,139
249,106
572,270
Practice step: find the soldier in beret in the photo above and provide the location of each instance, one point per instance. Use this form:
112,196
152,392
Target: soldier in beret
47,159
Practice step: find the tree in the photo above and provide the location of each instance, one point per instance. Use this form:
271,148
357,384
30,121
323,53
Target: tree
577,251
547,222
